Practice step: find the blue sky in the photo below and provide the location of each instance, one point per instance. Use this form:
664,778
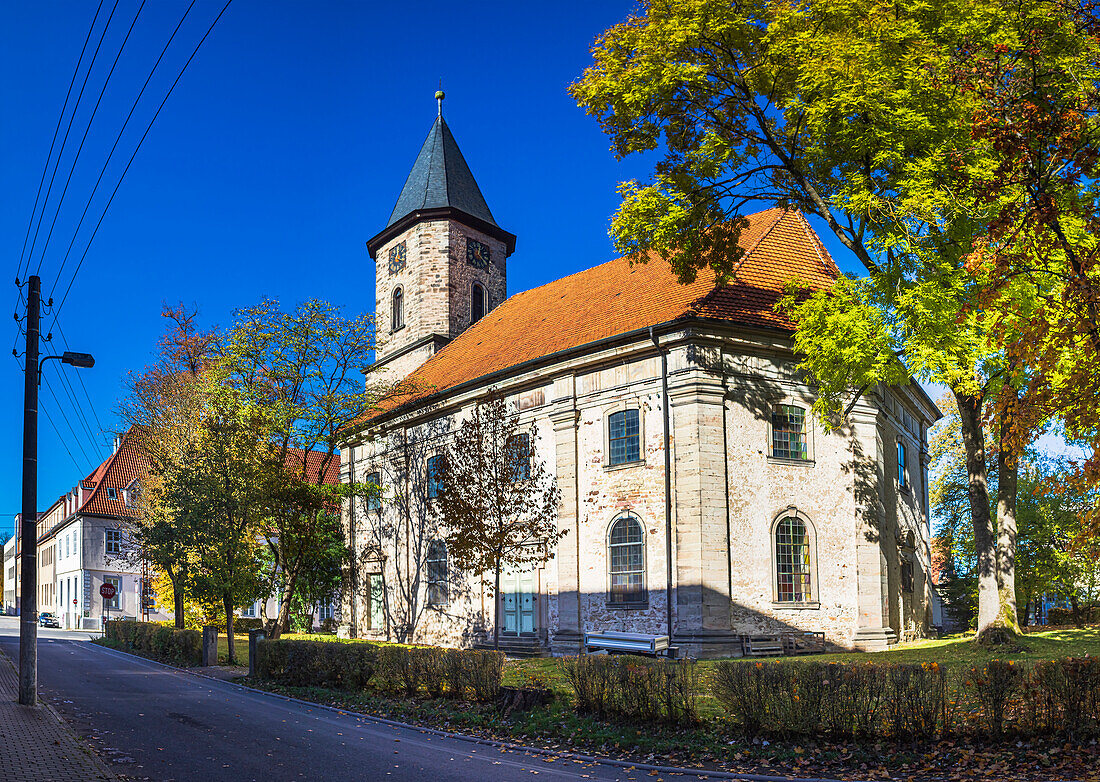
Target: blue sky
280,152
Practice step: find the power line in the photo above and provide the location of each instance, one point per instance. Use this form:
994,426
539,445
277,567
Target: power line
68,288
66,386
68,128
118,138
87,396
58,432
56,130
87,130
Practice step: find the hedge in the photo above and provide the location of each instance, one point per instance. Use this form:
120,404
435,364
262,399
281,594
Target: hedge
906,701
348,666
183,647
639,688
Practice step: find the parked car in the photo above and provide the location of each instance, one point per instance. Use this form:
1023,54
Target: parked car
46,619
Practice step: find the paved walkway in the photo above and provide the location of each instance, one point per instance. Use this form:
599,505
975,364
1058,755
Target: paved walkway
35,746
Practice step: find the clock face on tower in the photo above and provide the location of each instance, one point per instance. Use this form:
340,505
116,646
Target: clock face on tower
477,254
397,258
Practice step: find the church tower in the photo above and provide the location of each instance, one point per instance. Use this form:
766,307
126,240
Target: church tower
440,261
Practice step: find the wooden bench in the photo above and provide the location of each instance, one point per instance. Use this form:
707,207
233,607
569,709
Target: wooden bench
804,643
762,645
626,643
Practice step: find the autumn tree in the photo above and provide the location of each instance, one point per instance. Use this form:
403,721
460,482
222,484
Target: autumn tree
848,113
303,369
161,413
497,501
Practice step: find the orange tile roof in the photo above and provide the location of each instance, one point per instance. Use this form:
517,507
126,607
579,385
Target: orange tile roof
616,298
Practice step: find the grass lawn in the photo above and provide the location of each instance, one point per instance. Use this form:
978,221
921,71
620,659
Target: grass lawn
241,643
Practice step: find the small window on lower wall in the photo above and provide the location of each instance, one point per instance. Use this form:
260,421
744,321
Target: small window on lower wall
626,563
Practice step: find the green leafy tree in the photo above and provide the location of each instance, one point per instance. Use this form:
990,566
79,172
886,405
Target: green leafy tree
303,369
497,501
847,112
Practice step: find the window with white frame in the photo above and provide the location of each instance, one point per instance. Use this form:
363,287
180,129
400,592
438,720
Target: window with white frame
626,562
114,603
623,437
249,611
325,610
437,573
113,541
793,561
789,432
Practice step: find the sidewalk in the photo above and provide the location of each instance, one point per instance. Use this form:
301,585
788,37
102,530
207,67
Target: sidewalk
35,745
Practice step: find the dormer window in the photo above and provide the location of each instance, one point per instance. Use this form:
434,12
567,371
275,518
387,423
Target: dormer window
112,493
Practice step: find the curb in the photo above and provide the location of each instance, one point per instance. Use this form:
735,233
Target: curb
86,749
506,745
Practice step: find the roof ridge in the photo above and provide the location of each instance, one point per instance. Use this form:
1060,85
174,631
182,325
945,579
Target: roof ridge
823,254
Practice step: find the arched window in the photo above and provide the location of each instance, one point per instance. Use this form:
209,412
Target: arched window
477,304
626,562
793,561
435,477
437,573
398,315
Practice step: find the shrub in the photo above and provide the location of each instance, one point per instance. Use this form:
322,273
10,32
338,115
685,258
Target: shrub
856,694
183,647
459,672
1067,696
395,668
430,666
994,685
917,698
475,670
640,688
316,663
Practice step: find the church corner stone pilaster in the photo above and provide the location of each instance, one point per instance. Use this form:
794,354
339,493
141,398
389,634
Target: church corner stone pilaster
568,635
873,632
703,619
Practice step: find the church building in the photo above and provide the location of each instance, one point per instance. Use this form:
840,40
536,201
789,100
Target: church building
699,496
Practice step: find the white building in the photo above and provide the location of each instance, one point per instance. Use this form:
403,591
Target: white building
766,523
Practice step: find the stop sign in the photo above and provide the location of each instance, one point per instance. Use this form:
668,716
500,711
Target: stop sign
107,591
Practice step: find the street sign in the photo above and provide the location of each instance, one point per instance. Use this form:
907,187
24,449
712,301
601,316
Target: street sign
107,591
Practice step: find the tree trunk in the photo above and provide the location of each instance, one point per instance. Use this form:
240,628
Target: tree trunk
496,607
282,624
177,600
985,539
1008,475
227,601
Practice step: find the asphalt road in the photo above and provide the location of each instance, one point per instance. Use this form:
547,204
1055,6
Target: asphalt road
151,722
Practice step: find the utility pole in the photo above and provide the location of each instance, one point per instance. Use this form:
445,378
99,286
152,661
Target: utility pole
28,608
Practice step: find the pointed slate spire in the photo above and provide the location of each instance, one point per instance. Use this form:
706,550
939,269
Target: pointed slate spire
440,178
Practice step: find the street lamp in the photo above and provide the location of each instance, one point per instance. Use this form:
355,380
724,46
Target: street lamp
80,360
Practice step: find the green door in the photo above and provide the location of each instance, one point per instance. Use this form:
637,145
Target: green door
518,601
377,616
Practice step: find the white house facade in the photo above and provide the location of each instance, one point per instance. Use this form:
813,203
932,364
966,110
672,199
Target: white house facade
700,497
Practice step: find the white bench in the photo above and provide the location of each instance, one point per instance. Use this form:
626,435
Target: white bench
630,643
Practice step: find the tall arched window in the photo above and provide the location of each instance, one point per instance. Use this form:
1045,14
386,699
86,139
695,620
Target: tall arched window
374,501
398,314
437,573
477,303
793,561
626,562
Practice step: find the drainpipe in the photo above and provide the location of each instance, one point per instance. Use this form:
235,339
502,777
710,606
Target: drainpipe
668,484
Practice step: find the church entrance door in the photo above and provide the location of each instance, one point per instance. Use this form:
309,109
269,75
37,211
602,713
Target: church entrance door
518,607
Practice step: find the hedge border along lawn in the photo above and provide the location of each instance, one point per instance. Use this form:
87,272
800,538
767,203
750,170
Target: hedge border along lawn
154,640
714,742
